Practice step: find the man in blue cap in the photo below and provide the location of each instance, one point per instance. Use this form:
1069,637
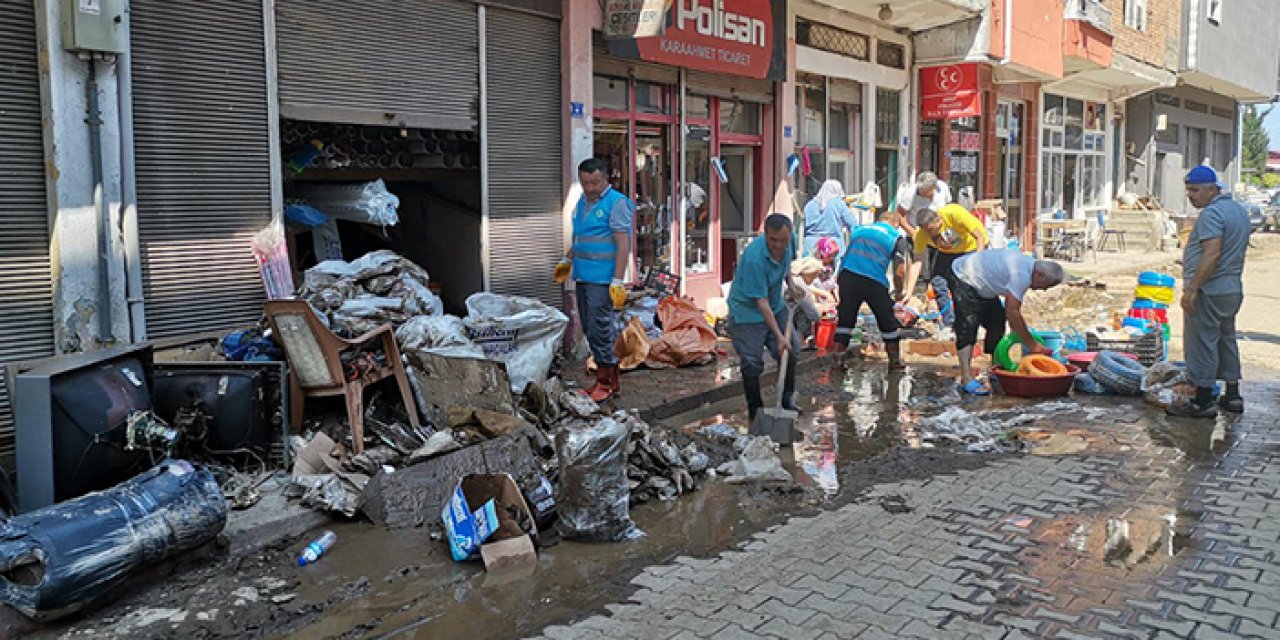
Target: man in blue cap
1212,265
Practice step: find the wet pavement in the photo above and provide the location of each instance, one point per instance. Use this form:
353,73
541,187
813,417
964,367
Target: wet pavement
1104,518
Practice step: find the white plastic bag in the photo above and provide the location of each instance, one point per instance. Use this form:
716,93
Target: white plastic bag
522,333
1167,385
442,335
367,203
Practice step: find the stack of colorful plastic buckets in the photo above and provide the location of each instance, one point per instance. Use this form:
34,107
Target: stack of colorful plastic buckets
1151,300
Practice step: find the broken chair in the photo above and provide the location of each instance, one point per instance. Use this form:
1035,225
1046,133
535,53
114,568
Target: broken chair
317,366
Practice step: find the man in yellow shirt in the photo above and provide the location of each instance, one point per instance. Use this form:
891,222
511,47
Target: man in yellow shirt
947,234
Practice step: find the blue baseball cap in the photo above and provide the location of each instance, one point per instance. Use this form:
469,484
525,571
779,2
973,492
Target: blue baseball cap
1202,175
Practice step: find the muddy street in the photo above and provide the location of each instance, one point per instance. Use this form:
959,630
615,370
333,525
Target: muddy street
1010,499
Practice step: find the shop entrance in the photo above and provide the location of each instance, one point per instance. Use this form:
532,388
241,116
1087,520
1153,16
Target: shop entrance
737,201
1009,122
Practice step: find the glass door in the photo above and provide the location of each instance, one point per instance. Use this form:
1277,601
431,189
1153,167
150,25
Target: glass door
698,258
737,201
1009,136
654,212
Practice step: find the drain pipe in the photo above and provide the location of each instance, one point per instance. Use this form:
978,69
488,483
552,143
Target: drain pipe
129,190
102,222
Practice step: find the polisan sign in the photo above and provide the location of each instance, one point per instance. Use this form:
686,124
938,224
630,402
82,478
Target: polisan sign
724,36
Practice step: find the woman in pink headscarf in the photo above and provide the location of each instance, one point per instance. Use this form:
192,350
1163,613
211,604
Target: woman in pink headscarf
827,251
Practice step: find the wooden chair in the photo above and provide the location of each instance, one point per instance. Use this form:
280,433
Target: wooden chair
316,369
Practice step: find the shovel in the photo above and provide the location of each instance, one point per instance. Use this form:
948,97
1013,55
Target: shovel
775,421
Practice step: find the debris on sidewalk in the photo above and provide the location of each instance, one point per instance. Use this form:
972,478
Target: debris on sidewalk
595,494
758,462
656,467
487,517
62,557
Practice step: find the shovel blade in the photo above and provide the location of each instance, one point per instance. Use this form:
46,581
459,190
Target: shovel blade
775,423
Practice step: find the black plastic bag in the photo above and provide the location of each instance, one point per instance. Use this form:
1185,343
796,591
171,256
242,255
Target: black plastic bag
595,494
55,560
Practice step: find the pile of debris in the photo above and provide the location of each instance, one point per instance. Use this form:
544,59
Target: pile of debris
359,296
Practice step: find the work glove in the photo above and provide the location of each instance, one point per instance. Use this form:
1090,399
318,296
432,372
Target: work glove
562,270
618,293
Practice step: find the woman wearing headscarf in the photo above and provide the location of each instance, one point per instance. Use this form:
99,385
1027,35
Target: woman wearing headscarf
827,216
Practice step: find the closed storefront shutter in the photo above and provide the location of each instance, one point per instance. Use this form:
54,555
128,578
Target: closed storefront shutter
25,279
379,62
202,143
526,226
733,87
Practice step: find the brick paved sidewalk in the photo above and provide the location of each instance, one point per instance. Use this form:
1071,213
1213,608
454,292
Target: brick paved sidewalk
1139,539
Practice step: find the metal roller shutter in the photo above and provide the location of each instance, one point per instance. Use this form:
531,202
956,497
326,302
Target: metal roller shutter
26,278
379,62
526,227
202,145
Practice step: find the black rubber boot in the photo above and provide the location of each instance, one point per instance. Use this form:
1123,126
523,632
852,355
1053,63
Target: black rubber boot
751,389
1201,407
1231,401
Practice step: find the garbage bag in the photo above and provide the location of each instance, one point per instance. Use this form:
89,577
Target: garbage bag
1166,384
366,203
595,494
522,333
686,337
442,335
55,560
632,347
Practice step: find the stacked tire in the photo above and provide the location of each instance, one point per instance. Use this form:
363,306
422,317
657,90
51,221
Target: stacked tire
1118,373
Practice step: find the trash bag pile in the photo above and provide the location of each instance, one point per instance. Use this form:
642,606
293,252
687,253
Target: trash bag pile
359,296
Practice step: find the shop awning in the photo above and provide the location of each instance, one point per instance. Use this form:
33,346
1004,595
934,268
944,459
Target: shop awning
914,15
1124,77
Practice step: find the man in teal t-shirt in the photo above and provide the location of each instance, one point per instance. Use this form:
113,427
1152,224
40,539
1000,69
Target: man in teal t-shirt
757,312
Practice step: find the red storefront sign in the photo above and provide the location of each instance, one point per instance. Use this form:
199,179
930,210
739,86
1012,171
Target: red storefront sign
737,37
949,91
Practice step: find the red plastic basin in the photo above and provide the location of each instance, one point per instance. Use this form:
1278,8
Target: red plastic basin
1035,387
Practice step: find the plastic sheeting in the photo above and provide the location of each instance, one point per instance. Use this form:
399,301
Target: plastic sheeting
58,559
522,333
686,337
595,494
442,335
378,288
366,203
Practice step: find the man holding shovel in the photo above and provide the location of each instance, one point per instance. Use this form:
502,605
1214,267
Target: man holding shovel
757,312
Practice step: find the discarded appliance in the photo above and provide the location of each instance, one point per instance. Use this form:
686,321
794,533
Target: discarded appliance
55,560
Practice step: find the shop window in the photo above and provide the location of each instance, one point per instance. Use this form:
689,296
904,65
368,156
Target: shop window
1195,153
1051,191
841,126
1168,100
888,116
891,55
611,93
1054,114
1169,135
653,98
610,145
964,147
1223,151
697,245
1073,124
828,38
653,217
1092,185
696,106
737,116
841,169
735,194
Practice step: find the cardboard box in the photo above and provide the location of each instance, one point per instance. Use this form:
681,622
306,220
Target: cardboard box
488,510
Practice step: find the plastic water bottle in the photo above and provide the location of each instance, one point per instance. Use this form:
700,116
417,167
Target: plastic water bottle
317,548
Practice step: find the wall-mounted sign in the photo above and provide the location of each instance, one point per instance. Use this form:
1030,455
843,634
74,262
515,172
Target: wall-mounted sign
577,110
950,91
740,38
634,18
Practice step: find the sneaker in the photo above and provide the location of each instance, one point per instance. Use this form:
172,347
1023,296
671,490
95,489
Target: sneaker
1231,405
1192,410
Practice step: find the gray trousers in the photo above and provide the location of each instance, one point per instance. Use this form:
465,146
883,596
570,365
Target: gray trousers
595,312
751,340
1209,342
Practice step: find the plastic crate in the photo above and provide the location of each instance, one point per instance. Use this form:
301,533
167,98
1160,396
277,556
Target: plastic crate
1149,348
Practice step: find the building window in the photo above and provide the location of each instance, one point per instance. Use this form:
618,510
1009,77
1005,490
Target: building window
891,55
1215,11
739,117
828,38
1135,14
1169,135
1192,105
887,117
611,93
1196,153
1168,100
1223,151
1229,114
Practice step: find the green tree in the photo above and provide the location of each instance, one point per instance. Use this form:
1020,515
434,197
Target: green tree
1256,144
